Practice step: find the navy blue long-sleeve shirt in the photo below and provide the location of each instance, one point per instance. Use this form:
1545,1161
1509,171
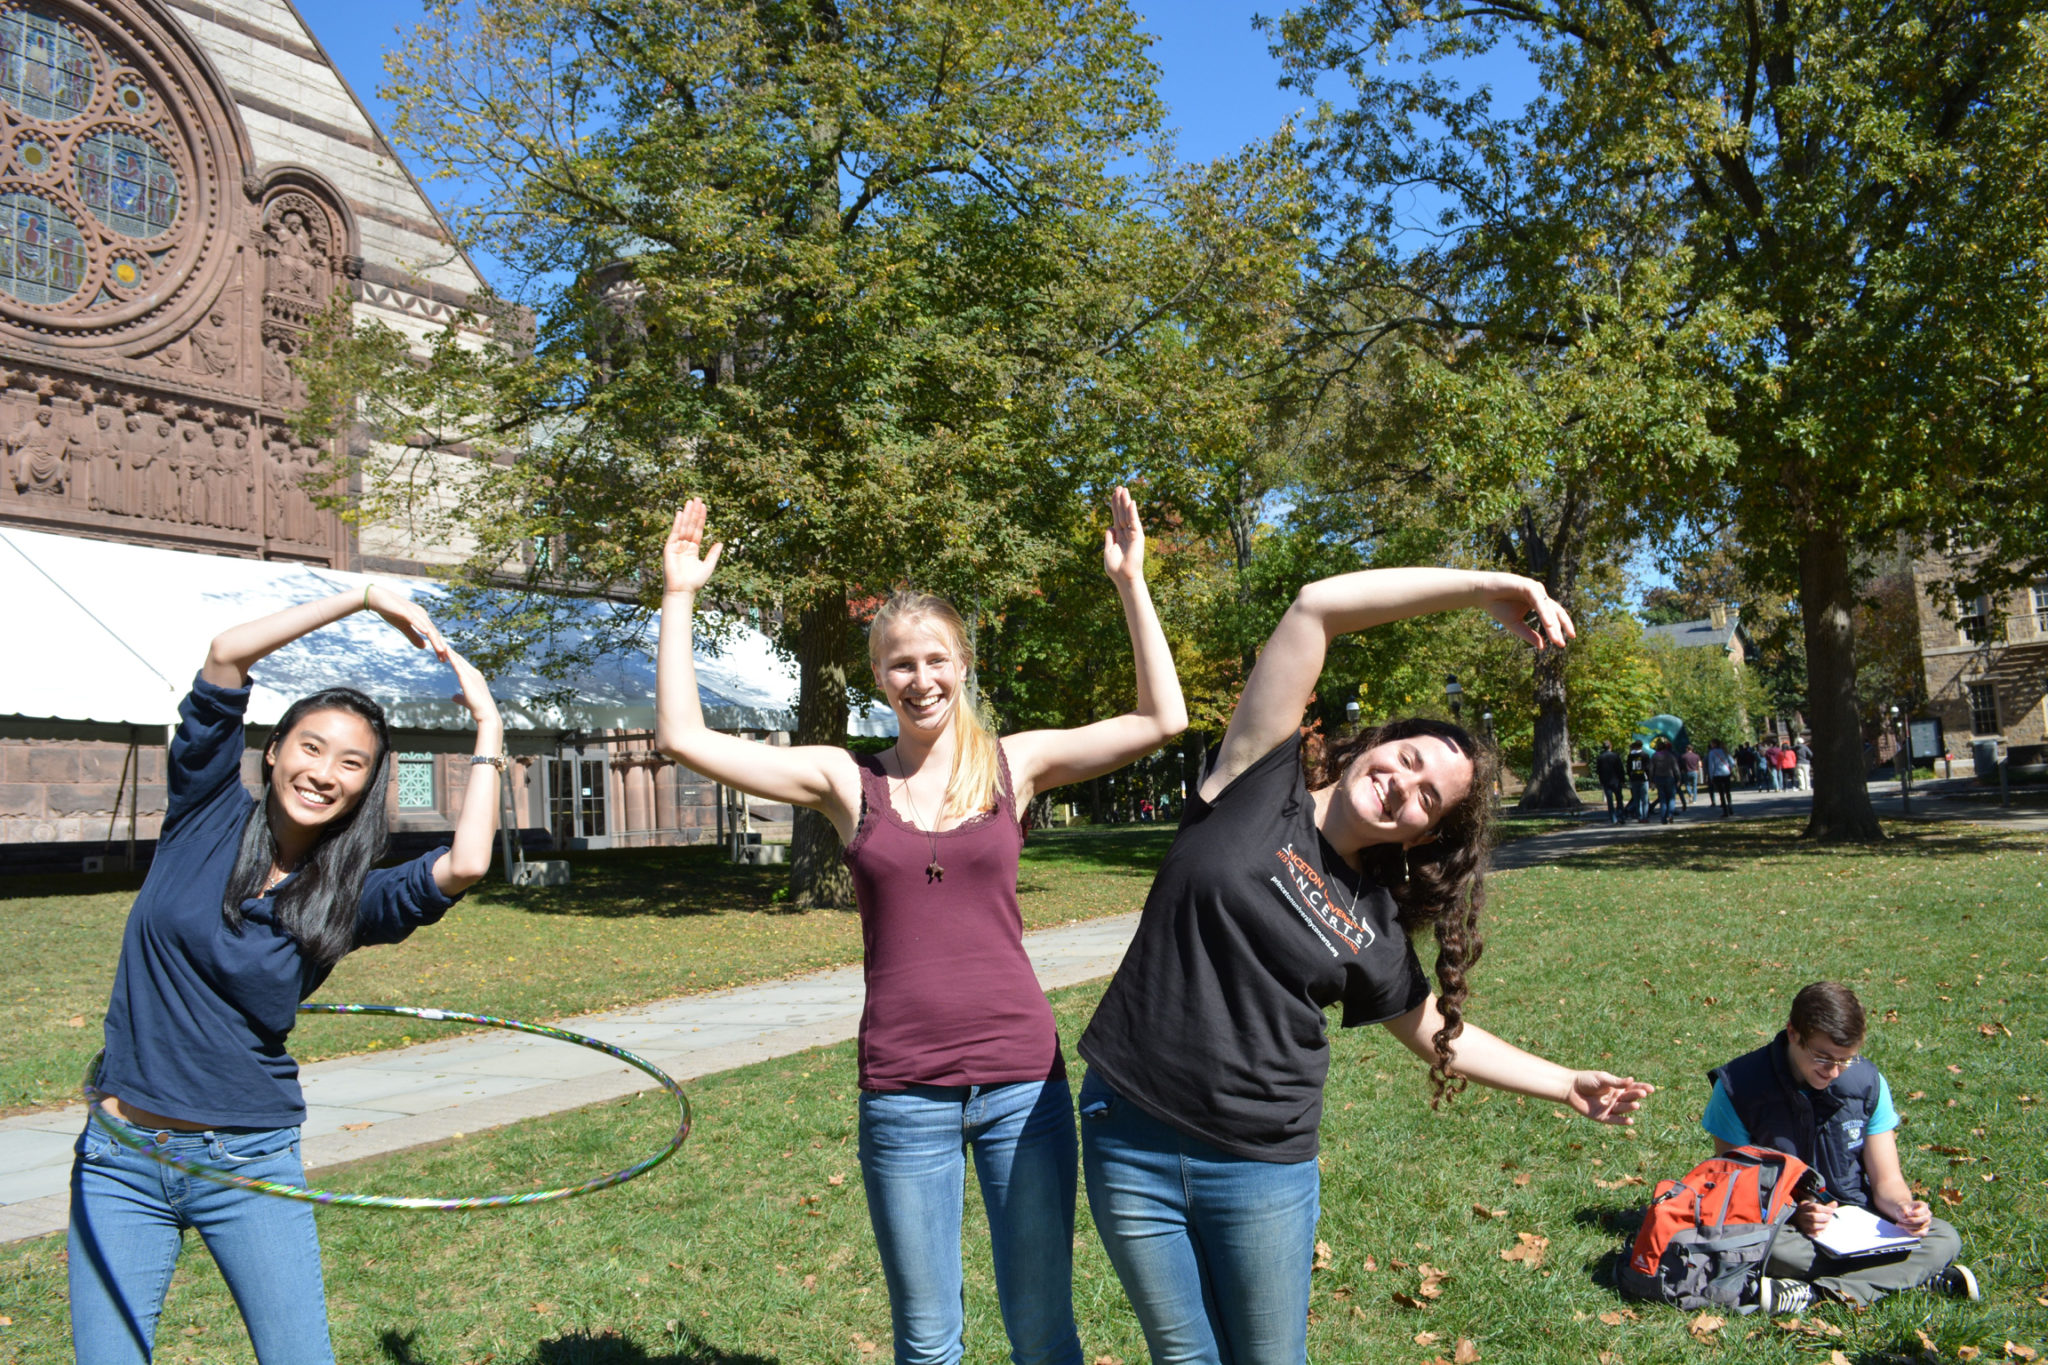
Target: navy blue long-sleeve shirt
197,1024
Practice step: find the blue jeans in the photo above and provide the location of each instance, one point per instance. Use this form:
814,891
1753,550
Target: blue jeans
128,1216
913,1160
1639,798
1214,1250
1667,792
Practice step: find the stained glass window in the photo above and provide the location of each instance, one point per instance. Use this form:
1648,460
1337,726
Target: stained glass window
127,182
42,253
34,156
415,781
45,68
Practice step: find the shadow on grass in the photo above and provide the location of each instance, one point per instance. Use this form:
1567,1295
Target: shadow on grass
1139,848
36,885
605,1348
661,882
1740,847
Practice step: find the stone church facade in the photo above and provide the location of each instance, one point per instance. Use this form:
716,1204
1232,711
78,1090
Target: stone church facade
184,187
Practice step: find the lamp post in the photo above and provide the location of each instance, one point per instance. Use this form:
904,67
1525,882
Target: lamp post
1486,724
1456,694
1902,758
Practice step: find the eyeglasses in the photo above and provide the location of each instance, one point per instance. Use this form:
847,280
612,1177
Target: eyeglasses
1823,1062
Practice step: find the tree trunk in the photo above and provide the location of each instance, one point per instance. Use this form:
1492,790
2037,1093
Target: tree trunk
818,879
1827,601
1550,769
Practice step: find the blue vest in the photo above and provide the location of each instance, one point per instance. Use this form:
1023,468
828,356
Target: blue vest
1823,1128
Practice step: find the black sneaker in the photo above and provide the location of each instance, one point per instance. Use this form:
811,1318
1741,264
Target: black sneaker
1784,1296
1958,1282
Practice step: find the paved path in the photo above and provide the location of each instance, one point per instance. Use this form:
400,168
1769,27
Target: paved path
382,1102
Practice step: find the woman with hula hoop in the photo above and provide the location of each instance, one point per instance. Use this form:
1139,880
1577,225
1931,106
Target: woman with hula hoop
1286,893
957,1044
248,906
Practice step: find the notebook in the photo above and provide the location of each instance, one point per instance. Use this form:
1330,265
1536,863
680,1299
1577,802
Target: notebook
1856,1231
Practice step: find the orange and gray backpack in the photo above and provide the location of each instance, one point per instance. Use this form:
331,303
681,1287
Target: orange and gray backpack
1705,1238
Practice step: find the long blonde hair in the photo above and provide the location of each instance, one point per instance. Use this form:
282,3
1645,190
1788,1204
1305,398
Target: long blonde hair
971,787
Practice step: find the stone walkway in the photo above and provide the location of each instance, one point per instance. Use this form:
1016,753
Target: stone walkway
383,1102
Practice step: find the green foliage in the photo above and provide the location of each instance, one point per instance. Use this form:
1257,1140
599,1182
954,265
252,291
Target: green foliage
1715,699
1815,231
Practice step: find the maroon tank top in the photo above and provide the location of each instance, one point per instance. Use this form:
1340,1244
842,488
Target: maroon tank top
951,997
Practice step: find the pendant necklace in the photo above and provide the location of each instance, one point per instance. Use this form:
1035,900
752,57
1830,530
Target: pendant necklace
932,872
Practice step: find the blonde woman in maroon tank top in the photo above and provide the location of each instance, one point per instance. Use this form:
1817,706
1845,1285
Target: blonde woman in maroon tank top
958,1050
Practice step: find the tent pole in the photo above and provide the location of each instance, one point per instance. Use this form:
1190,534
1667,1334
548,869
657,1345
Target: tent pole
120,789
134,793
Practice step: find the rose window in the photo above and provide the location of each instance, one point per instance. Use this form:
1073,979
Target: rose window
95,178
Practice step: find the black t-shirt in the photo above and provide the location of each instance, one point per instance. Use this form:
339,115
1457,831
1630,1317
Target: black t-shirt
1214,1022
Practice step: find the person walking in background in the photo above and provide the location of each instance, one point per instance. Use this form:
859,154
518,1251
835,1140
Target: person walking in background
1802,764
1607,767
1663,770
1788,765
1693,767
958,1048
1638,768
1770,779
1720,777
1745,763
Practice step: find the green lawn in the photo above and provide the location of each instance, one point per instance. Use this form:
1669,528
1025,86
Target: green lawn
1661,957
629,928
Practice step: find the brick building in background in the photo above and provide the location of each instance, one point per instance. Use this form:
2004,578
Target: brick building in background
183,187
1987,666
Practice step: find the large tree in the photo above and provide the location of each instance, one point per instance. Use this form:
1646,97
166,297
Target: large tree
1860,189
846,270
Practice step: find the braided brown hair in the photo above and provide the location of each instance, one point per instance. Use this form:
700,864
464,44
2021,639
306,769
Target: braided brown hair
1440,884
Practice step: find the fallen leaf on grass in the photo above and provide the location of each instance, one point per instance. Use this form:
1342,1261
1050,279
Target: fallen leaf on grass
543,1309
1967,1353
1370,1264
75,1021
1466,1354
1485,1212
6,1321
2013,1352
1705,1326
1323,1254
1426,1338
1522,1179
1108,1360
1405,1300
1837,1358
1993,1030
1610,1358
1949,1196
810,1281
1618,1182
1927,1345
1432,1281
863,1345
1917,1095
1528,1249
1611,1319
835,1179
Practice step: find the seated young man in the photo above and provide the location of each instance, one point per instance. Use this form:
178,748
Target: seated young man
1808,1093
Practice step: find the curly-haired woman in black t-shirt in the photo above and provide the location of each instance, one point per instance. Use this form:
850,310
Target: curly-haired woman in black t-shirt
1208,1054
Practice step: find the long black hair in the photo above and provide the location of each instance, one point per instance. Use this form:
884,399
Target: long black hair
318,907
1440,885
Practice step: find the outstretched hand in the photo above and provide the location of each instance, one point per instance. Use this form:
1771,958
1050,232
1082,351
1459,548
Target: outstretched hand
1123,544
1513,601
410,618
1607,1098
682,567
476,692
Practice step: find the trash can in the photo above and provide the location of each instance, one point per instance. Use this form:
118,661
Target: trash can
1984,754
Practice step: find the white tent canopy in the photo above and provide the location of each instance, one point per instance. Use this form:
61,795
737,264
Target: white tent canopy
102,638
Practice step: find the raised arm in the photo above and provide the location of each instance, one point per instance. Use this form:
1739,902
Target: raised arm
237,649
1493,1061
1043,759
816,776
466,861
1283,680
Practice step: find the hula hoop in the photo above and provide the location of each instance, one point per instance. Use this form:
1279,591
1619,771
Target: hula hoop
120,1131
